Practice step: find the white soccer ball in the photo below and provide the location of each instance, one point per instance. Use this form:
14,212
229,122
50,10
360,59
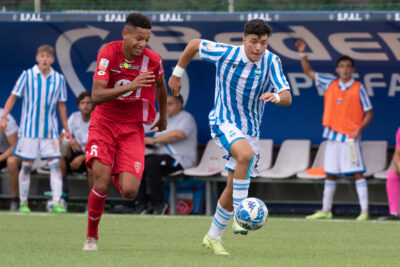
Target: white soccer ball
251,213
49,205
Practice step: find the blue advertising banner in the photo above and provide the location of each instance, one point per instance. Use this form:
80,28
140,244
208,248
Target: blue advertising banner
375,46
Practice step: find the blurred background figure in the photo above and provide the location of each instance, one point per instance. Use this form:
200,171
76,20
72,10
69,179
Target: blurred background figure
393,183
73,156
8,139
174,149
347,111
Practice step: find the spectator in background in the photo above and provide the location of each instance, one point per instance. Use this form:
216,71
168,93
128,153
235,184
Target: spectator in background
8,139
43,90
393,184
175,149
347,111
78,123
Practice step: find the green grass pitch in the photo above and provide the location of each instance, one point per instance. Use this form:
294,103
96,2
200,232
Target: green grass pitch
42,239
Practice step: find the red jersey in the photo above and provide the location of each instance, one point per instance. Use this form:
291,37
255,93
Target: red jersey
112,67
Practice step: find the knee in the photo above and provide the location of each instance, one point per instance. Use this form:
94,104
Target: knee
12,163
129,194
245,156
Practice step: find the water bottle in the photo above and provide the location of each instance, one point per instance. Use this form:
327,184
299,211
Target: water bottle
64,144
352,150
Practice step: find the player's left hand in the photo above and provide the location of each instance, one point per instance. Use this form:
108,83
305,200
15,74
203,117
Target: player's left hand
160,125
356,134
175,84
268,97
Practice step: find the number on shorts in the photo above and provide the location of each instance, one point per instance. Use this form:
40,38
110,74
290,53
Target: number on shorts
93,150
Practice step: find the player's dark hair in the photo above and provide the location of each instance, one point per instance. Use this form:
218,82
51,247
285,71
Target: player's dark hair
178,98
257,27
343,58
82,95
138,20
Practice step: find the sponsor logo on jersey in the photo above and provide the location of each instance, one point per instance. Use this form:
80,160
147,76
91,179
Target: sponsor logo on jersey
117,71
103,64
126,65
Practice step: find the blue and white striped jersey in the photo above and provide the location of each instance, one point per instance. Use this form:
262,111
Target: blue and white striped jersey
323,81
239,83
41,95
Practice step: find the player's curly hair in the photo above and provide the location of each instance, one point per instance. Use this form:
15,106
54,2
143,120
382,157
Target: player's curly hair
138,20
257,27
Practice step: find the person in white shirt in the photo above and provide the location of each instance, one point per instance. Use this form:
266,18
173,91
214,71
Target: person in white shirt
175,149
8,139
78,123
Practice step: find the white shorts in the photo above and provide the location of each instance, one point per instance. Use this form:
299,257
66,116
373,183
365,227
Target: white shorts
30,148
338,158
225,135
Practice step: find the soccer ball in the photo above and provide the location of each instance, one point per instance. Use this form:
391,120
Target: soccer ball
50,204
251,214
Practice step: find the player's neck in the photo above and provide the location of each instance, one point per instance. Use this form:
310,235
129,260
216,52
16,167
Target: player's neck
85,118
128,56
345,80
45,71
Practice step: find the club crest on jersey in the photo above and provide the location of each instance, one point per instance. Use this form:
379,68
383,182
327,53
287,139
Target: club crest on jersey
103,64
138,166
257,72
339,101
128,66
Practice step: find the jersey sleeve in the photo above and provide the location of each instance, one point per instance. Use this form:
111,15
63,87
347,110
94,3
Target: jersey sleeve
212,51
323,81
20,85
276,75
12,126
63,90
103,65
365,101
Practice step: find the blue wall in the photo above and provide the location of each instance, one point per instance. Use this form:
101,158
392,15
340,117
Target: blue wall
374,45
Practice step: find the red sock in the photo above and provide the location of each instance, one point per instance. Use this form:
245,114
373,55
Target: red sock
96,203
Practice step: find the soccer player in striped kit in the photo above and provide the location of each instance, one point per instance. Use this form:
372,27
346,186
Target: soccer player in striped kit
43,90
123,92
347,111
247,77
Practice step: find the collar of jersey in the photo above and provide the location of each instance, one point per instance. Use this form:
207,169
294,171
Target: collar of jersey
37,71
345,86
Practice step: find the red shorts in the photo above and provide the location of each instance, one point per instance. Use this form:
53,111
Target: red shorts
118,145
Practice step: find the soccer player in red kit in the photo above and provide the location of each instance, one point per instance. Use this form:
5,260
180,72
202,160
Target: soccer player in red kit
123,92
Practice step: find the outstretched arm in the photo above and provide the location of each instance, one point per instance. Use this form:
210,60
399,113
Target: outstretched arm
285,98
305,64
175,81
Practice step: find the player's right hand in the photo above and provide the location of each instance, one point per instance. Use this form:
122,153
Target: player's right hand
175,84
3,124
145,79
301,45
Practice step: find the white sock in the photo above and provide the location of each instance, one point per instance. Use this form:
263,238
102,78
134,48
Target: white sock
24,180
329,193
219,222
362,192
240,191
55,180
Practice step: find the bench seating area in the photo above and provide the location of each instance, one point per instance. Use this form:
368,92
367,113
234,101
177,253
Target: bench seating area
292,161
